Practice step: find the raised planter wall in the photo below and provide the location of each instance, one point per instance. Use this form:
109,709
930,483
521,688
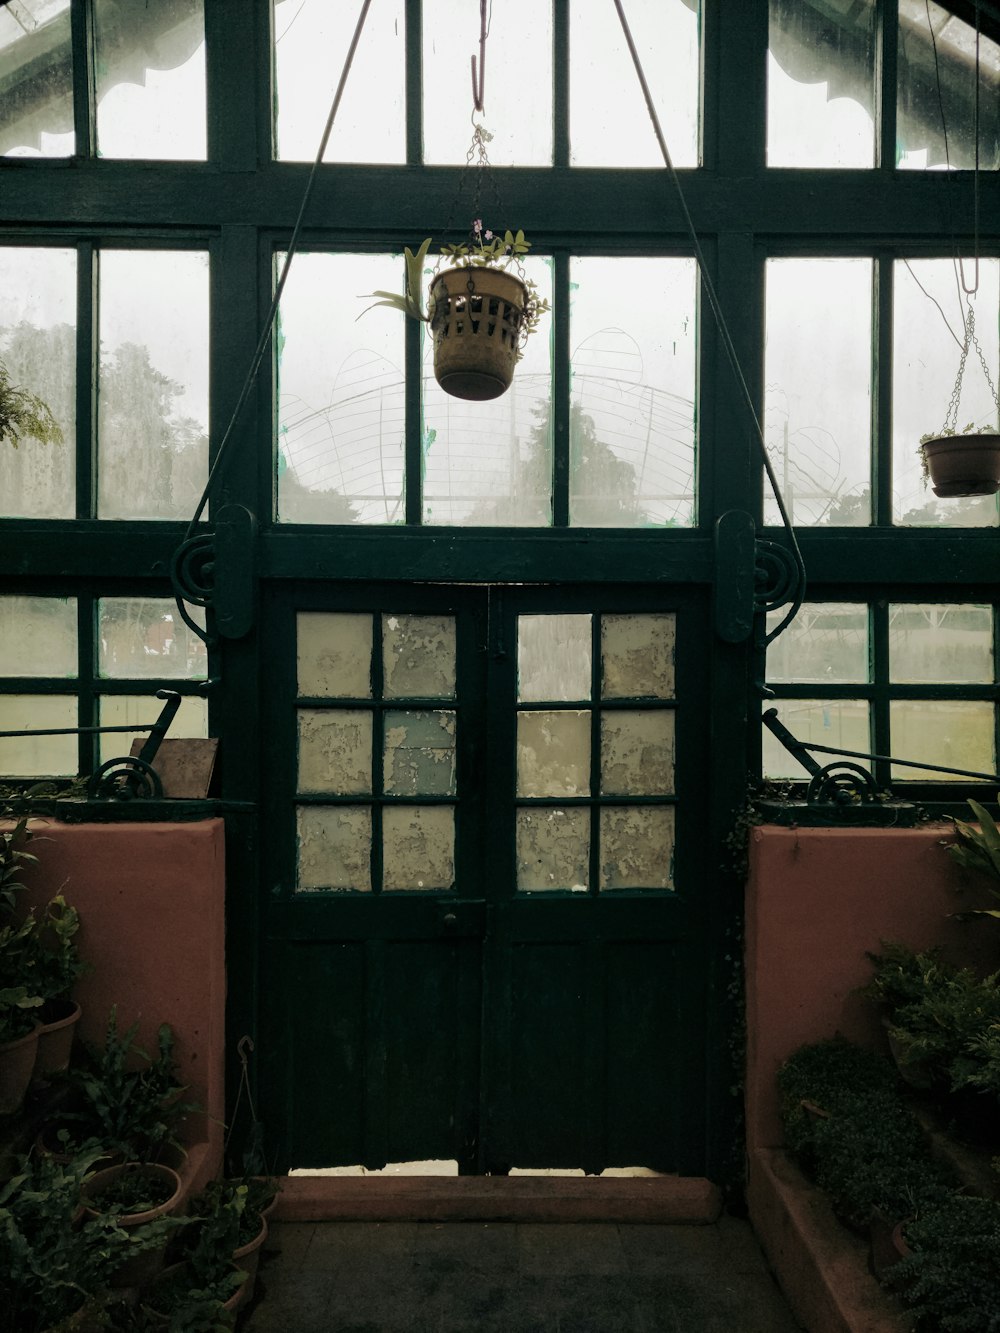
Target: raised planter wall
151,899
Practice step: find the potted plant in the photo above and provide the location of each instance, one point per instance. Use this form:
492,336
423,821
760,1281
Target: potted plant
950,1277
250,1199
205,1289
24,415
20,1006
962,462
136,1195
481,309
54,968
978,849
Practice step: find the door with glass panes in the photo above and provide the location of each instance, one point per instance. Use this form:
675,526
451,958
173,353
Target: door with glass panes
486,911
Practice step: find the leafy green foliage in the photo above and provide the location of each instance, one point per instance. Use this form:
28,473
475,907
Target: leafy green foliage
951,1280
194,1294
24,415
978,849
13,860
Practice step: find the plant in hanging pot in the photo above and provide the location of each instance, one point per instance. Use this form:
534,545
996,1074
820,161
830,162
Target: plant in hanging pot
962,462
24,415
480,310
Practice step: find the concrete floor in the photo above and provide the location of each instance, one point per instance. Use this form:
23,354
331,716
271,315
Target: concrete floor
459,1277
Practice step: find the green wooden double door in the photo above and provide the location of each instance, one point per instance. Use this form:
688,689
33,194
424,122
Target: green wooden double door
487,902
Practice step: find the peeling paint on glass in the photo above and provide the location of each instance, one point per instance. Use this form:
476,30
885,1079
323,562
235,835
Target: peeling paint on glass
335,751
38,756
334,655
553,753
38,636
637,656
637,753
334,847
951,732
418,847
553,658
419,754
553,849
418,657
637,847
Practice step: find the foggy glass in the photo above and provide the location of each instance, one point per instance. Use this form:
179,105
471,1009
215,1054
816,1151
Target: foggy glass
553,849
946,643
553,658
38,756
937,68
36,55
948,732
928,329
637,847
141,637
817,389
517,87
152,418
311,41
340,446
821,84
119,710
150,62
334,658
38,636
826,641
335,751
604,91
333,847
633,339
418,847
490,463
831,722
553,753
38,347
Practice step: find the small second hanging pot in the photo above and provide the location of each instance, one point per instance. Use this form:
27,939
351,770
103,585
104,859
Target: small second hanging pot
963,464
476,326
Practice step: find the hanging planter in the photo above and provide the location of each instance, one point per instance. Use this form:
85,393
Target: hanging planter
962,463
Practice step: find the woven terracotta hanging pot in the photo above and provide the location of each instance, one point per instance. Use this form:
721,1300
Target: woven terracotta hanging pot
475,321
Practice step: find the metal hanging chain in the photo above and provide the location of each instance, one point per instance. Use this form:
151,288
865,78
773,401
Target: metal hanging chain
950,426
723,328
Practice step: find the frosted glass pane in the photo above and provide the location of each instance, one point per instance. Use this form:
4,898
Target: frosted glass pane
553,657
418,847
312,38
609,124
637,753
340,392
946,731
335,751
419,754
145,637
821,84
38,756
490,463
637,847
36,110
817,396
948,643
826,641
120,710
930,78
517,87
334,655
38,348
152,417
553,754
831,722
637,656
418,657
334,847
150,78
553,849
633,339
927,342
38,636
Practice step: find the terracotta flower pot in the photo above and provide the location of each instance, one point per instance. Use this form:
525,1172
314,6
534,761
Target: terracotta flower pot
963,464
247,1258
55,1038
476,327
17,1062
155,1316
143,1268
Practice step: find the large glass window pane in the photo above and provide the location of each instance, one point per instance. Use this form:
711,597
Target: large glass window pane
334,655
418,657
637,847
311,39
632,411
36,79
826,641
821,84
38,349
553,753
38,756
817,395
418,847
419,755
942,731
637,753
38,636
152,418
942,643
490,463
553,849
340,392
936,106
602,76
335,751
141,711
150,78
553,658
828,722
145,637
517,88
334,847
637,656
929,314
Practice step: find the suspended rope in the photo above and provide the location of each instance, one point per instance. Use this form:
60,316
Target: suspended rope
723,328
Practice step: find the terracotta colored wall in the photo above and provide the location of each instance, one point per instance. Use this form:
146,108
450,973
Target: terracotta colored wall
817,899
151,899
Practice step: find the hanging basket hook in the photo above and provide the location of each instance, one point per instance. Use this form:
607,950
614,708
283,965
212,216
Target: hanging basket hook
479,80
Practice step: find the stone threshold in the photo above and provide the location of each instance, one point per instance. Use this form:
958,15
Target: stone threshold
673,1199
